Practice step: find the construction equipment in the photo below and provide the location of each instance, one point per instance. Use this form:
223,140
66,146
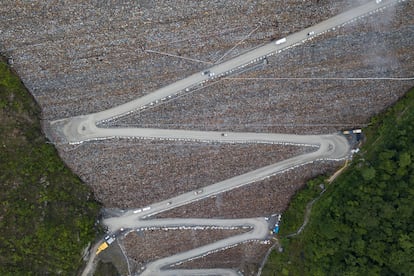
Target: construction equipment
102,247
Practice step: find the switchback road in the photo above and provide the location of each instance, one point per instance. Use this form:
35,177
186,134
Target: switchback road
259,230
83,128
328,147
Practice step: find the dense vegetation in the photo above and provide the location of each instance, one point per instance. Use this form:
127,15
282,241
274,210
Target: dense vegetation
47,214
363,224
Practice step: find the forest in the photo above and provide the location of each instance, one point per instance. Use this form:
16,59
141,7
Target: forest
47,215
363,223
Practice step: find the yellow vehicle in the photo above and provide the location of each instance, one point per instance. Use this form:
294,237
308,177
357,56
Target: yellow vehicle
102,247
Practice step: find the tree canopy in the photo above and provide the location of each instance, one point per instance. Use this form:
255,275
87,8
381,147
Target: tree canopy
47,214
363,224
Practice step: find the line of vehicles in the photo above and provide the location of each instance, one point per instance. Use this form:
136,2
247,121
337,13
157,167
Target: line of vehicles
142,210
354,131
105,244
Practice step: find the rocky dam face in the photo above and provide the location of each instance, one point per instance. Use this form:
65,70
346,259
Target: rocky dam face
81,57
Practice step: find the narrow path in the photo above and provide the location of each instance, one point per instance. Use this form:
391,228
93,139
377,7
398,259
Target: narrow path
306,216
309,206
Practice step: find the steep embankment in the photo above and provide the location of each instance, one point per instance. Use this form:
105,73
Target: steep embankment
363,225
47,214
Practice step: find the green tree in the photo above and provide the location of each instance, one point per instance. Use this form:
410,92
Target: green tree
363,224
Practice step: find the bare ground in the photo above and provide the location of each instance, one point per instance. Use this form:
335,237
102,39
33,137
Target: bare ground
78,57
245,257
84,57
146,246
133,173
261,198
257,100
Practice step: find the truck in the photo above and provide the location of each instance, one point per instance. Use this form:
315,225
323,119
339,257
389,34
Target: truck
280,41
108,240
102,247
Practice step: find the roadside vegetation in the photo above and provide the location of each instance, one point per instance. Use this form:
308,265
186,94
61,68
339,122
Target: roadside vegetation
294,215
47,214
363,224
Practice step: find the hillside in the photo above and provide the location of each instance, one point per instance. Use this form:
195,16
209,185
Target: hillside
47,214
363,223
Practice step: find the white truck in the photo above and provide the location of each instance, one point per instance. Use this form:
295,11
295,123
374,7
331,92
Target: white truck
280,41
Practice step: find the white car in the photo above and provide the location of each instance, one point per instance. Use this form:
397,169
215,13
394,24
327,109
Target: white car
208,73
280,41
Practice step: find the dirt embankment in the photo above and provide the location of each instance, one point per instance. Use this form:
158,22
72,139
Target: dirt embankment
151,245
79,57
134,173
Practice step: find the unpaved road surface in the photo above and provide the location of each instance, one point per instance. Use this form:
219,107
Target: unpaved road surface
329,147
